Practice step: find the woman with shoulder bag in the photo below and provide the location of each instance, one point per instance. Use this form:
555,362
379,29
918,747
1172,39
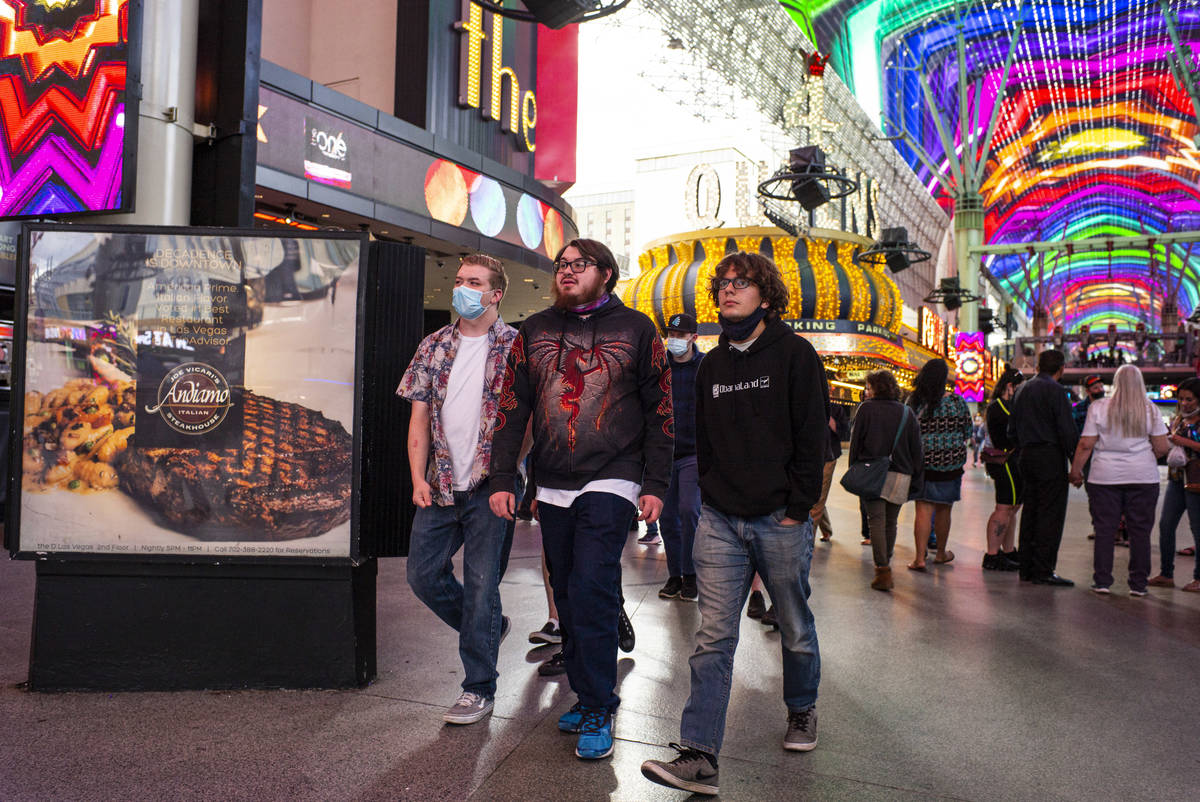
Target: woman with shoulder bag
877,433
1003,466
1184,453
1123,436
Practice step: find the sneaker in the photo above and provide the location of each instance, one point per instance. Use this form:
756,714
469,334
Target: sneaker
554,666
756,607
595,734
469,708
626,637
689,592
569,721
1141,592
769,619
692,771
1161,581
549,633
672,588
802,730
648,539
1101,589
505,626
1009,561
991,562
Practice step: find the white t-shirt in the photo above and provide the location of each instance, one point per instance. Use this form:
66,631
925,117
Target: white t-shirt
1118,460
463,405
565,498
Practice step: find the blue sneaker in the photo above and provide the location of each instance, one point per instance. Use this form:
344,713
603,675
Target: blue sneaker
595,734
569,721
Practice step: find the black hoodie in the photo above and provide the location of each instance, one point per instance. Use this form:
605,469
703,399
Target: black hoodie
598,387
762,425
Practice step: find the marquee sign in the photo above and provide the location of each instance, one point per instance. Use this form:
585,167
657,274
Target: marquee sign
521,115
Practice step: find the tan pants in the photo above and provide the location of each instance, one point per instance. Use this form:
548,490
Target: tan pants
820,515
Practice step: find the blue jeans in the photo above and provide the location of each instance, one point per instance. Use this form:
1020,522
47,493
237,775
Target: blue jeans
681,511
1175,501
583,545
729,550
473,607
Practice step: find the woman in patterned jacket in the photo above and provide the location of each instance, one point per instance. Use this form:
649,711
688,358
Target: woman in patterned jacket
945,431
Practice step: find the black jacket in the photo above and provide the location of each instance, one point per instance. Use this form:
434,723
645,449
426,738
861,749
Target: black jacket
1041,416
874,431
599,390
762,425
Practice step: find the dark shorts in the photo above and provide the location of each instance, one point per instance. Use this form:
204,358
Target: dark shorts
946,491
1010,488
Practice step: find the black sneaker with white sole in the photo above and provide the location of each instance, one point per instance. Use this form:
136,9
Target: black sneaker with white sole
549,633
688,592
692,771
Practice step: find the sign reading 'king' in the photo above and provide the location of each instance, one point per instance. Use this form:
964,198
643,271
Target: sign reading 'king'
521,115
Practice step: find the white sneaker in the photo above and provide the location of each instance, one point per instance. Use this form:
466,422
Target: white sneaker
469,708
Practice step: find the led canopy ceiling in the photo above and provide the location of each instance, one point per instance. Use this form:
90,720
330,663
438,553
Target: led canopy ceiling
1095,135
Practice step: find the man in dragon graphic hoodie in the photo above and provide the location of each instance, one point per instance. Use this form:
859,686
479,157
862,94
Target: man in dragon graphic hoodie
593,374
762,412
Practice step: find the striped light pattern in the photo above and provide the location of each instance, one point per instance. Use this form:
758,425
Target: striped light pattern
1095,138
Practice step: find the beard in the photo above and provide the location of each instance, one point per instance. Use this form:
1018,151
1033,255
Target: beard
584,292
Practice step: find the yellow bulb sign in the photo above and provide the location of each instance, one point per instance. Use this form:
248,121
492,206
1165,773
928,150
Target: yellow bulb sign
520,117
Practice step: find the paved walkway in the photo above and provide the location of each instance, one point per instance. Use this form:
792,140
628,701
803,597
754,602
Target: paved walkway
958,685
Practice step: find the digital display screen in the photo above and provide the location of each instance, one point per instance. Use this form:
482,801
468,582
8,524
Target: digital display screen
69,122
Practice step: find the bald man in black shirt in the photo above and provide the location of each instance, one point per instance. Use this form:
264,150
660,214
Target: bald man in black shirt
1042,427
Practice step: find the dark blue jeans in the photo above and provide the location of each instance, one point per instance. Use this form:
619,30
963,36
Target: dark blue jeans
1176,500
473,607
583,546
681,511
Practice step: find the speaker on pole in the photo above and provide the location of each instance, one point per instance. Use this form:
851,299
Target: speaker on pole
810,192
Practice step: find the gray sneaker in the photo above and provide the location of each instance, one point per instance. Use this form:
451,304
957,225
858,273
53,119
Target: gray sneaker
691,771
802,730
469,708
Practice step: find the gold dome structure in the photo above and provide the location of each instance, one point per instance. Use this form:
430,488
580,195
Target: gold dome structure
850,312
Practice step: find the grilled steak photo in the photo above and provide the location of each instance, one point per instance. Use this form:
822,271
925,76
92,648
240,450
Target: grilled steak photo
290,479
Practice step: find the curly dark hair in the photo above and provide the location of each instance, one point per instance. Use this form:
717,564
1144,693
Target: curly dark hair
599,253
883,385
761,272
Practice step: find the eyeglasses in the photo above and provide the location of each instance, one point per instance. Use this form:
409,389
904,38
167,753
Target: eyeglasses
738,283
577,265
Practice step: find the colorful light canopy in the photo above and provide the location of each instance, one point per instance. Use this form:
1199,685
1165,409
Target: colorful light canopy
1096,138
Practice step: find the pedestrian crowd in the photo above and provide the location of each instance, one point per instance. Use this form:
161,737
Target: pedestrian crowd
589,422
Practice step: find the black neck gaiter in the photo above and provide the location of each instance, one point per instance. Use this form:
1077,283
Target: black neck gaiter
742,329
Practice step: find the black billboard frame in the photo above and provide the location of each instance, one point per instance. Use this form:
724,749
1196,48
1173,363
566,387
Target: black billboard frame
356,555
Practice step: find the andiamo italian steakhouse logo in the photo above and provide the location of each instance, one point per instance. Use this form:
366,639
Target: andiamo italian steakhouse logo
193,398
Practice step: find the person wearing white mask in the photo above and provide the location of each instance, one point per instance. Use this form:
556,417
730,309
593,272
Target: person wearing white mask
454,383
681,507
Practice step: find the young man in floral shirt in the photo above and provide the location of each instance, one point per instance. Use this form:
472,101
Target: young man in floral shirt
454,383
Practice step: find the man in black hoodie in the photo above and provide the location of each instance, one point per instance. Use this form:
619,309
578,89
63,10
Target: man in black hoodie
761,433
593,374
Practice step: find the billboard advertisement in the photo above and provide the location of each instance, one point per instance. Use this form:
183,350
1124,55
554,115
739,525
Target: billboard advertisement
186,393
68,119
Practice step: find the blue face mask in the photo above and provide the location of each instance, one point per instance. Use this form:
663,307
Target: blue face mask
468,302
677,345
